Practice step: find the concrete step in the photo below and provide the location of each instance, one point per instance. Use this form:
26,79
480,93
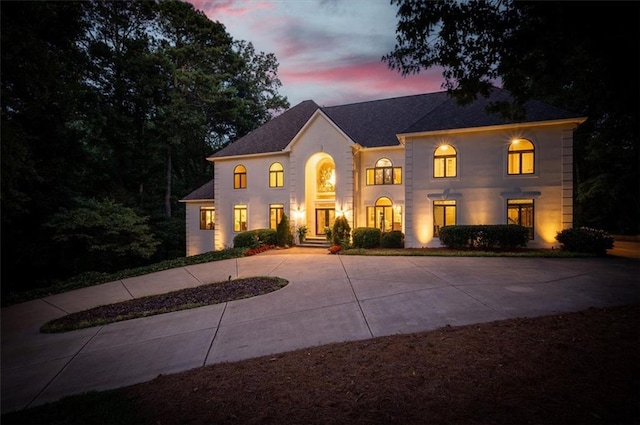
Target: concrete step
315,243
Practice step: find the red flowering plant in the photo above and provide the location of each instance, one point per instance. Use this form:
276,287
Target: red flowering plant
335,249
258,250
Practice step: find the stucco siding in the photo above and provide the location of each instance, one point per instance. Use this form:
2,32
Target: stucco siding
198,241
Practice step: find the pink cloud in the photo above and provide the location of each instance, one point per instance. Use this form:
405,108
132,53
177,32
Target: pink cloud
219,10
363,81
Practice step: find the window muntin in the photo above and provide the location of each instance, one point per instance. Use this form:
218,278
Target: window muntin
207,218
444,214
276,212
240,223
384,173
384,215
520,212
445,162
521,157
240,177
276,175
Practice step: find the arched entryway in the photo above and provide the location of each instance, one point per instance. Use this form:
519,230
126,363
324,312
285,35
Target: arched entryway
320,193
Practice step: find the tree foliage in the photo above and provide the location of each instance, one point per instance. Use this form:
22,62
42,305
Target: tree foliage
119,101
583,57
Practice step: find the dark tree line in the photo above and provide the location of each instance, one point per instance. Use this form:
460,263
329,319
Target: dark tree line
109,110
581,56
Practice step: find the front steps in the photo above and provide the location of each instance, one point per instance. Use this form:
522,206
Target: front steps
314,243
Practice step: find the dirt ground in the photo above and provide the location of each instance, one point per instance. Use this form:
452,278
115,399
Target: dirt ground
577,368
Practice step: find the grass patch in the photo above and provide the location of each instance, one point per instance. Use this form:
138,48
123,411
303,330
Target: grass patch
96,278
446,252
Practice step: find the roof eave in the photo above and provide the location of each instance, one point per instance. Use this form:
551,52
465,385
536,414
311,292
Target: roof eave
565,121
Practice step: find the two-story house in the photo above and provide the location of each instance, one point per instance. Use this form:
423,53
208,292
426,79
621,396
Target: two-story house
412,163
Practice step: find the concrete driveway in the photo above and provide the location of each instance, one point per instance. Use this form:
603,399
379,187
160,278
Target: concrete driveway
329,298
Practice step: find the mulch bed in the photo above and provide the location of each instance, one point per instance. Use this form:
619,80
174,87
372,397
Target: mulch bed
576,368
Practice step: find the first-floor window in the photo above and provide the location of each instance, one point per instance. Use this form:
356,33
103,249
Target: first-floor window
384,215
520,212
276,211
444,214
240,218
207,218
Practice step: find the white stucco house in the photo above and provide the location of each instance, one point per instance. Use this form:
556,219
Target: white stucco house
412,163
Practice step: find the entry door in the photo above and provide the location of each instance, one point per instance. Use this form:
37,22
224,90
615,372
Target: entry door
324,218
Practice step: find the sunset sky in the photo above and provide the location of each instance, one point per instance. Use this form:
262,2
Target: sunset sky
329,51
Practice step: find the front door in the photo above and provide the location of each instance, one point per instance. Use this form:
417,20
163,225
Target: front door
324,218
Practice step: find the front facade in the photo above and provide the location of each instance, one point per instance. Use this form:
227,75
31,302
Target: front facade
413,164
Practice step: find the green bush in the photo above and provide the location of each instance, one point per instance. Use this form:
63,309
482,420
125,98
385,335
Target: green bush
484,236
366,237
392,239
267,236
247,239
585,240
284,233
341,233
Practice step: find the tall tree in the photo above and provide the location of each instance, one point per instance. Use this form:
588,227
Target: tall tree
580,56
112,100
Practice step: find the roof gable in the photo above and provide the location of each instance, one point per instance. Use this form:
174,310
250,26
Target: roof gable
274,135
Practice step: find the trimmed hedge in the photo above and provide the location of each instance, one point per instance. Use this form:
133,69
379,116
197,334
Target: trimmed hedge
255,238
484,236
392,239
585,240
366,237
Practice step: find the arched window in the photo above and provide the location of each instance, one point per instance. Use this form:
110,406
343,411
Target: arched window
326,178
384,215
445,162
276,175
240,177
384,173
521,157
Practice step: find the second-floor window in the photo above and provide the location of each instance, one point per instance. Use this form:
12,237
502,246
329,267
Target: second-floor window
521,157
384,173
445,161
240,177
276,175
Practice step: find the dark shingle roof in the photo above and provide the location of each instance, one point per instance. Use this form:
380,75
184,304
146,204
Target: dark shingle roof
274,135
449,115
203,192
377,123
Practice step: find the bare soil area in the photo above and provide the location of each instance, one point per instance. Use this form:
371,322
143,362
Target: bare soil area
577,368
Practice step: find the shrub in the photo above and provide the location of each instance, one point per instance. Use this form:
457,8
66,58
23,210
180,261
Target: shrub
247,239
585,240
267,236
392,239
366,237
341,233
285,235
484,236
